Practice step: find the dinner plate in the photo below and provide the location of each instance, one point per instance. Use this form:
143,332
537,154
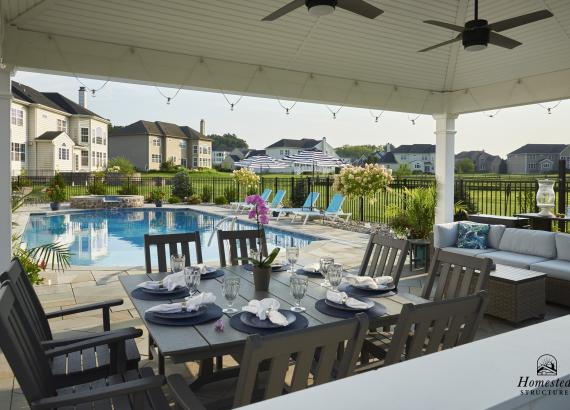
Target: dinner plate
209,270
278,267
381,290
344,307
182,315
164,291
252,320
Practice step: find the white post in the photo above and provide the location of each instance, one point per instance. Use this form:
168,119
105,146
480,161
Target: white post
5,175
444,166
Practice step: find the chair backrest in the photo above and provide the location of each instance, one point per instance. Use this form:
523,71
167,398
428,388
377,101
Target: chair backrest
22,348
336,203
277,199
457,275
429,327
328,352
311,200
240,242
178,244
266,194
384,256
28,299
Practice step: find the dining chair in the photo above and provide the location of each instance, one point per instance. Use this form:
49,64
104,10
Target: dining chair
384,256
327,352
90,361
30,363
178,244
240,242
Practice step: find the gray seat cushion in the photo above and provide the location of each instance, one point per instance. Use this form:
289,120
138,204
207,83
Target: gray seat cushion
495,234
445,235
468,252
528,242
558,269
517,260
563,246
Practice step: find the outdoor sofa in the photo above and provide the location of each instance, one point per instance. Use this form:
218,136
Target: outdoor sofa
541,251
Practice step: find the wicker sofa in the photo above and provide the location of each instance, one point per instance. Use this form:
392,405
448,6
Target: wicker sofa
541,251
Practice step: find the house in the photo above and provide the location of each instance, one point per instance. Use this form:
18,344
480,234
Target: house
219,156
148,144
482,161
536,158
50,133
386,159
285,147
419,157
230,160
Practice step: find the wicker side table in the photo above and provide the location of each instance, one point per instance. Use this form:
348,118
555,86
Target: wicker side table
516,294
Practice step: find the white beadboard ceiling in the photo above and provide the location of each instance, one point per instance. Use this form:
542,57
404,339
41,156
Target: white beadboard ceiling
342,46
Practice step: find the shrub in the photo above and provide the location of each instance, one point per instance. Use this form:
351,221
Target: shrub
181,185
194,199
156,195
129,189
221,200
415,217
173,200
97,187
56,193
58,180
168,166
207,194
251,191
231,194
120,164
246,178
363,181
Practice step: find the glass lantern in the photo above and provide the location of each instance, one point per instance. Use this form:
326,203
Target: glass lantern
545,197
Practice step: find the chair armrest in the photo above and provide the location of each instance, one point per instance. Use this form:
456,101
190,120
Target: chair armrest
184,396
84,308
106,392
50,344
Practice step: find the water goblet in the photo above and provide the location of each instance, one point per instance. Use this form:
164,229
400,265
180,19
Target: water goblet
335,275
177,263
292,255
298,287
192,277
325,263
230,289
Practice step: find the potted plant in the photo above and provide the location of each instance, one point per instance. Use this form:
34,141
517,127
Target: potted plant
56,194
156,196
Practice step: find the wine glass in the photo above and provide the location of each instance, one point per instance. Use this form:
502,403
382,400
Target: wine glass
177,263
325,263
335,275
298,287
230,289
192,277
292,255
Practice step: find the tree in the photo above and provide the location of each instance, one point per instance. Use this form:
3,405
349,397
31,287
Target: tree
125,166
465,166
356,151
402,171
227,142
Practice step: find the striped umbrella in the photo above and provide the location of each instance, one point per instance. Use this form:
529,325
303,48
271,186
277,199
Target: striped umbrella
307,160
263,163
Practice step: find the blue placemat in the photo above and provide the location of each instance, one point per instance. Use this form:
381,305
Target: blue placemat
309,274
300,323
213,312
212,275
351,290
377,310
249,267
138,293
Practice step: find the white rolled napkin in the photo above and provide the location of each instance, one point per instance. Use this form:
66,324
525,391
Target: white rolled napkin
313,267
366,282
267,308
170,282
203,268
190,304
343,299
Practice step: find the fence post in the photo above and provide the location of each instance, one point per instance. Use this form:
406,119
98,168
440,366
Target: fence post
361,209
291,192
562,193
328,182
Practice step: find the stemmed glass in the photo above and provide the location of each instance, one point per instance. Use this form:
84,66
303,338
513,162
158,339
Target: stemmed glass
230,289
177,263
292,255
298,289
192,277
335,275
325,263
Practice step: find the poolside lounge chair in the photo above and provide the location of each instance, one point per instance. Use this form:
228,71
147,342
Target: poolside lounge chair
275,203
333,211
307,205
265,195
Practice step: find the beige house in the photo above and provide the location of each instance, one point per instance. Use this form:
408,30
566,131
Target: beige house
52,133
536,158
148,144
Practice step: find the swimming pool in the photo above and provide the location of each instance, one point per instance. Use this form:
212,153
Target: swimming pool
115,237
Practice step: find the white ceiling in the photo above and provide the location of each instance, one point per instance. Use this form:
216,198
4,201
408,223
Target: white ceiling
379,53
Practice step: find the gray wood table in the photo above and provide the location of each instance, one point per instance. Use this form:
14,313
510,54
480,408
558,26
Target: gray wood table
200,342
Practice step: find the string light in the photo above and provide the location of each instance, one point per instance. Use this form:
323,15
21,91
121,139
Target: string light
549,109
2,64
375,116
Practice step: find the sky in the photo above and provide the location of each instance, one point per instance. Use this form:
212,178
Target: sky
262,121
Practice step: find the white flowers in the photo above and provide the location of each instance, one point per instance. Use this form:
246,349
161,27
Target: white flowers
246,177
115,169
363,181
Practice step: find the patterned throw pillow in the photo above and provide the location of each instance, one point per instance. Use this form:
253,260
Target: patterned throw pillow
471,235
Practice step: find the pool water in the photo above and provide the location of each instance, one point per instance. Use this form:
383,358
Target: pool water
115,237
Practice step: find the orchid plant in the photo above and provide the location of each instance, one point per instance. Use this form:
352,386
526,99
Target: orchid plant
260,212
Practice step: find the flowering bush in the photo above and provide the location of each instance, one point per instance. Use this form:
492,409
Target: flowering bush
246,177
363,181
114,169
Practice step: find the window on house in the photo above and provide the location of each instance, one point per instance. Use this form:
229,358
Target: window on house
62,125
85,135
157,158
84,158
404,157
63,153
546,165
173,159
183,144
99,135
195,162
195,149
18,152
183,162
417,165
531,166
17,116
105,159
156,142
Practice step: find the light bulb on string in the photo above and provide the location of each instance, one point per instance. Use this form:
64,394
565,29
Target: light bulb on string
286,111
232,107
168,99
2,64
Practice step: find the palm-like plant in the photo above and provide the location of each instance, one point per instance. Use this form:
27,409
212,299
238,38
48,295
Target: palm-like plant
415,216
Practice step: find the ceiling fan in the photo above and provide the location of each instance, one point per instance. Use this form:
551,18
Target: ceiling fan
319,8
478,33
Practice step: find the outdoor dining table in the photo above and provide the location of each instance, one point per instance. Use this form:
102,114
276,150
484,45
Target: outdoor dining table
200,342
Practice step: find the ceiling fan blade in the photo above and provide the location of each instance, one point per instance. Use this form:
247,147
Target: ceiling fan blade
360,7
295,4
453,40
444,25
503,41
520,20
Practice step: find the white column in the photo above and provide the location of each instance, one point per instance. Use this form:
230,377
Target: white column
444,166
5,171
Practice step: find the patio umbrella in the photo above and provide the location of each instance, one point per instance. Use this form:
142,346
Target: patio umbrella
263,163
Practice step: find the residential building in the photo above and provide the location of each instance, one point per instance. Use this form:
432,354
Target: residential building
218,157
51,133
285,147
536,158
148,144
230,160
419,157
386,159
482,161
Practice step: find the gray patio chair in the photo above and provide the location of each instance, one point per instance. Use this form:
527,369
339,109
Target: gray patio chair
30,362
178,244
384,256
334,347
90,362
240,242
430,327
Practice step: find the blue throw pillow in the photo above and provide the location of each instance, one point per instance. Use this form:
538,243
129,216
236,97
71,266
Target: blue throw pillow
471,235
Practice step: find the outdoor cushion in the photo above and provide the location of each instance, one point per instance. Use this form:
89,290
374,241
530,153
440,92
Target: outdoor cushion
528,242
518,260
563,246
558,269
472,235
495,234
468,252
445,235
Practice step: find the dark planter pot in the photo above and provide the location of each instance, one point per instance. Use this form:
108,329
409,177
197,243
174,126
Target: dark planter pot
158,204
54,206
261,278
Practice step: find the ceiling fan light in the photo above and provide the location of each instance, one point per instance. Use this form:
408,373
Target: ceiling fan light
321,10
476,47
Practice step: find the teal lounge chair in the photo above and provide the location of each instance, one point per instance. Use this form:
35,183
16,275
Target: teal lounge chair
309,203
265,195
276,203
333,212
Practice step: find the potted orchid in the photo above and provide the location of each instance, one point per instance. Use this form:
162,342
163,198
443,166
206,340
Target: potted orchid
261,265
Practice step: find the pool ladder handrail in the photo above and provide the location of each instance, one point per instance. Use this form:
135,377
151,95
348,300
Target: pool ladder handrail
232,219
